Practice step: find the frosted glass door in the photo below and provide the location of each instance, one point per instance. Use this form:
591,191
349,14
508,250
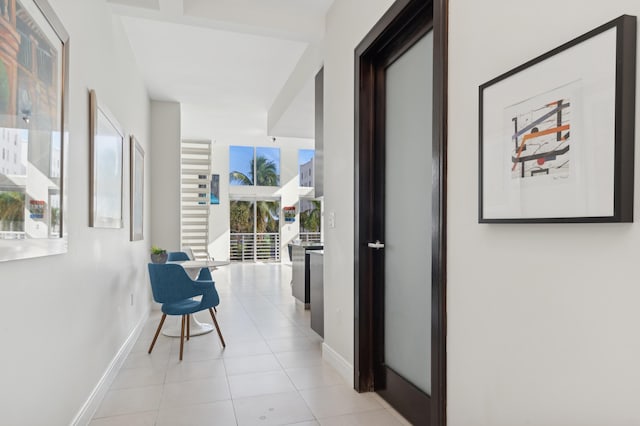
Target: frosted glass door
407,240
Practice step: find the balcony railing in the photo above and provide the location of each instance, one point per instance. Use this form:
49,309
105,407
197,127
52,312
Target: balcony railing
12,235
245,248
311,237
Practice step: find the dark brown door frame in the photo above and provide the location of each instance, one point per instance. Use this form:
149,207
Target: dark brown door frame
402,25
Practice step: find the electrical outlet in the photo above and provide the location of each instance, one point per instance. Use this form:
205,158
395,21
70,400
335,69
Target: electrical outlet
332,219
131,299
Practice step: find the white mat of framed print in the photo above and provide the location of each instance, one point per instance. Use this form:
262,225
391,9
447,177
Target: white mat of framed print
557,133
136,181
107,142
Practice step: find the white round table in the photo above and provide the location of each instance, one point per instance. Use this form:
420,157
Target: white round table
192,267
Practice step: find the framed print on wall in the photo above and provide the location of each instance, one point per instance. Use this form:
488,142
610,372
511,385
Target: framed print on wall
34,63
136,181
107,141
289,213
214,194
557,133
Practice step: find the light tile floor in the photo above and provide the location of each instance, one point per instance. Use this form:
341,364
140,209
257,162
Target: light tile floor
271,372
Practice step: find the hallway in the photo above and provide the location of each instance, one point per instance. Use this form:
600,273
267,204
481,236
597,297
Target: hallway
271,372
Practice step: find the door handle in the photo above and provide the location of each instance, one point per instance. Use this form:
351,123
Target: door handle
377,245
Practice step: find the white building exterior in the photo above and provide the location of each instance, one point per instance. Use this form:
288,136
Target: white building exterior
11,152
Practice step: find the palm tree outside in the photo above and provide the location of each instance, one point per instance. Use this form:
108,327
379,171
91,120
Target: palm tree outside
239,178
310,218
12,211
267,218
262,171
266,173
242,219
241,215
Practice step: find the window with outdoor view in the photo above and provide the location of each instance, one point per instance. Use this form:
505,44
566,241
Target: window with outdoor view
241,165
255,230
249,166
306,167
310,219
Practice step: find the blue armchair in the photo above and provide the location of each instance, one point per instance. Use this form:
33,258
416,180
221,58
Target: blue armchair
172,287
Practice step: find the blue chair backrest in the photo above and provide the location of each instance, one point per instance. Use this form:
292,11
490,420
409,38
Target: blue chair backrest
177,256
170,283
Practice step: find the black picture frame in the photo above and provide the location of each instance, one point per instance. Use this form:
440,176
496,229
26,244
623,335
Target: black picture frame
582,91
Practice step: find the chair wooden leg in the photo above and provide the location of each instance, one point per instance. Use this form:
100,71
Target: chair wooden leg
188,327
164,316
215,322
182,337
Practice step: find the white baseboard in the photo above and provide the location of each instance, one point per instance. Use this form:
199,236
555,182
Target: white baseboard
342,366
92,403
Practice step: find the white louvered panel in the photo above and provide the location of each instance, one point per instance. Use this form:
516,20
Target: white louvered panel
186,216
191,181
192,171
195,188
187,200
193,230
191,143
196,162
192,222
196,208
192,219
191,151
195,198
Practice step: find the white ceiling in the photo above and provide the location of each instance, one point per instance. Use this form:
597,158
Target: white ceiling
231,57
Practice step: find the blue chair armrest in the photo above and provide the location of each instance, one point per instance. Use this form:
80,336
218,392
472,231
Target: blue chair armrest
210,296
203,284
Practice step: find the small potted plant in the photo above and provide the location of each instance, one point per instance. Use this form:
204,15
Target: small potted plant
158,255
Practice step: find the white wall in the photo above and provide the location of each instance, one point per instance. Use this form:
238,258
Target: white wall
543,320
343,33
244,130
63,318
165,175
291,113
